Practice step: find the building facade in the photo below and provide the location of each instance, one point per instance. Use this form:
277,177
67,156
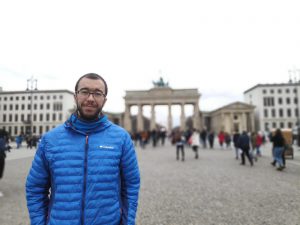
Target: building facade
34,111
236,116
276,105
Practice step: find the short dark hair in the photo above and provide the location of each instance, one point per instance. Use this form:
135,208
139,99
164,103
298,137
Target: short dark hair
92,76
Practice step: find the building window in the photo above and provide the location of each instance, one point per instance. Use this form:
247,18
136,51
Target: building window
273,113
17,98
60,97
16,117
266,126
22,106
279,101
295,90
287,90
54,97
296,113
296,100
268,101
47,128
57,106
16,130
273,125
48,106
29,97
4,107
22,117
47,117
35,97
28,106
10,107
264,91
288,112
272,91
41,117
48,97
10,117
266,113
41,106
35,106
23,97
290,125
17,107
281,125
60,117
34,117
4,117
5,98
53,117
280,112
42,97
288,101
11,98
41,129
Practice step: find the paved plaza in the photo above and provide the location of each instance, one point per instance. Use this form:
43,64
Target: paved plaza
214,189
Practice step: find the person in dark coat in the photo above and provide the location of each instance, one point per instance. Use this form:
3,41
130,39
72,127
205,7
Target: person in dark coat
3,148
278,149
244,145
236,136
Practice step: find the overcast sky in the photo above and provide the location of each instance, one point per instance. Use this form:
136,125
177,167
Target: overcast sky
220,47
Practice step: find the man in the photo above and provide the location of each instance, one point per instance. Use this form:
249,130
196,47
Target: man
85,171
244,145
3,148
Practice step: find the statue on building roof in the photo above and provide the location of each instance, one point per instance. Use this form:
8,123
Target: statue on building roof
160,83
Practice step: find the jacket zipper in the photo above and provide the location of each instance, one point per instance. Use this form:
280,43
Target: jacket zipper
84,178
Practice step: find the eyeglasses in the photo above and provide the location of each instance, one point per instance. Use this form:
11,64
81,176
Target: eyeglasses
86,93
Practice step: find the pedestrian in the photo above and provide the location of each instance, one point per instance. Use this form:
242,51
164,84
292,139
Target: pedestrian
195,142
244,145
84,171
253,146
227,139
19,140
3,148
203,136
179,140
221,138
236,136
278,149
211,139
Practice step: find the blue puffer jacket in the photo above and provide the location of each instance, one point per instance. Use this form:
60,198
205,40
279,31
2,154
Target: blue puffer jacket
84,173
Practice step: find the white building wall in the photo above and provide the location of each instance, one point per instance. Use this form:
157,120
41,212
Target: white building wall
287,92
53,105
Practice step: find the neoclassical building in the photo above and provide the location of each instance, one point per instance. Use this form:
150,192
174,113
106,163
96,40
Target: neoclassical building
236,116
161,95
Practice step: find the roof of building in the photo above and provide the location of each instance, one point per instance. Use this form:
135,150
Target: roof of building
37,91
272,85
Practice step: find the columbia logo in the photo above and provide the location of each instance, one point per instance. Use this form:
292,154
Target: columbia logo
106,147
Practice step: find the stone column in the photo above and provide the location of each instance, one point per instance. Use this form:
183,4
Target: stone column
196,121
140,121
182,117
222,127
127,119
170,124
153,123
252,118
232,122
244,122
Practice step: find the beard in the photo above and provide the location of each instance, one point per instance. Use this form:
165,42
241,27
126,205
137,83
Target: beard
90,116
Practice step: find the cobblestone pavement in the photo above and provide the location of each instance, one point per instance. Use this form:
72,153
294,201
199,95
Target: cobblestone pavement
212,190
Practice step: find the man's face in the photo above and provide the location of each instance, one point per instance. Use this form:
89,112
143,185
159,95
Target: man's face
90,105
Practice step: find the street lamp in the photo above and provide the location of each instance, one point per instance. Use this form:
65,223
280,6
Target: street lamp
30,84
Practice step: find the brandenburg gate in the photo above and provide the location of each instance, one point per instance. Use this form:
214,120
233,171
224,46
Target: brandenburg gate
161,95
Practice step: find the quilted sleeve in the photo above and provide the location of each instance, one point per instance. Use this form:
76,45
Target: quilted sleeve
37,187
130,183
